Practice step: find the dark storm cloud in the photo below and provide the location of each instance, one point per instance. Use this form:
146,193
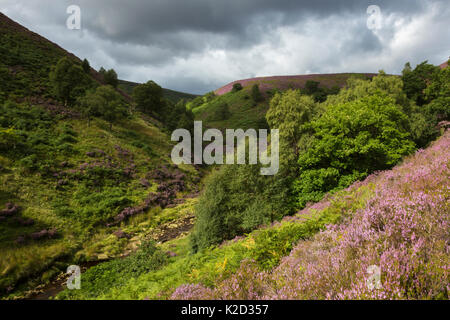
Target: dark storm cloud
198,45
241,23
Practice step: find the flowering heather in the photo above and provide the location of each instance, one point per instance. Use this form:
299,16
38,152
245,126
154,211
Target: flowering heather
287,82
403,229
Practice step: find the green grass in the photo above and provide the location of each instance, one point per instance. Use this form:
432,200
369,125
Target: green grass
80,208
266,246
245,113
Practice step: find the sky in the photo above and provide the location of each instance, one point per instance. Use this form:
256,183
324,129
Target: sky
197,46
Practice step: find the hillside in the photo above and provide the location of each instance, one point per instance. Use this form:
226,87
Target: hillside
294,82
246,113
75,191
399,214
171,95
87,179
26,59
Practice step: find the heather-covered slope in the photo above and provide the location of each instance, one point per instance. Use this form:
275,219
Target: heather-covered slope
397,220
403,228
294,82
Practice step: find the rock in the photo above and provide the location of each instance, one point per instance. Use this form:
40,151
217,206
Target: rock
171,254
24,222
121,234
20,240
10,210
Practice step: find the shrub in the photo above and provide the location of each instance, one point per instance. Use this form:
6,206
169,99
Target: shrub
68,80
236,200
222,112
350,141
116,273
256,94
237,87
149,98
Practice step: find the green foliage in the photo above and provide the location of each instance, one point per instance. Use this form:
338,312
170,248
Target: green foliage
177,116
438,92
236,87
68,80
350,141
104,102
421,125
222,112
319,93
86,66
416,81
236,200
288,112
149,98
9,139
256,94
114,274
109,77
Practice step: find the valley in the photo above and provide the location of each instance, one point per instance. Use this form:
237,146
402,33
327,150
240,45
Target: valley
88,178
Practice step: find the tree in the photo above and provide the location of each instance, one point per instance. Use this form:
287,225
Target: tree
105,102
68,81
222,112
149,98
237,87
256,94
288,112
178,116
110,78
421,125
311,87
237,199
438,92
350,141
86,66
416,81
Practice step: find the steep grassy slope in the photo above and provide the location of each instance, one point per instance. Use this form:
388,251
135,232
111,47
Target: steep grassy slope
171,95
71,192
245,112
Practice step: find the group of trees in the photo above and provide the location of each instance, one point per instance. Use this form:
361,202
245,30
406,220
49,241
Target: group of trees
319,94
69,81
369,125
73,86
109,77
105,102
149,99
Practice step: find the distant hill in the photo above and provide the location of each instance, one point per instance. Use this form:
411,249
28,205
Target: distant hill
171,95
294,82
244,112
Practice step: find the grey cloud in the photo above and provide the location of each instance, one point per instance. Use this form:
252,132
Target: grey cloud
176,42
